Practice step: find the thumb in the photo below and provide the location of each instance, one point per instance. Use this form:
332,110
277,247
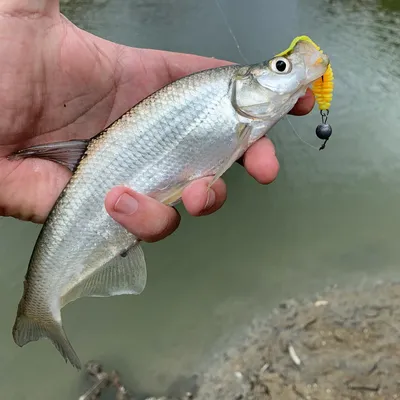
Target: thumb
143,216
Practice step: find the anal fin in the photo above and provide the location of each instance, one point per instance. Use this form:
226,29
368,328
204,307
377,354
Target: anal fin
124,274
67,153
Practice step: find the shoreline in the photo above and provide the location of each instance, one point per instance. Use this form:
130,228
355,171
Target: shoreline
339,344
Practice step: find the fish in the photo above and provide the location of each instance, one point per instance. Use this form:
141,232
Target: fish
194,127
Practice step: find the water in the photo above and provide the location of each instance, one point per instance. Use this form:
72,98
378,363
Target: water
331,216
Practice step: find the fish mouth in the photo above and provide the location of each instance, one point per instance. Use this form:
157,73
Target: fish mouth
314,60
317,69
322,60
317,65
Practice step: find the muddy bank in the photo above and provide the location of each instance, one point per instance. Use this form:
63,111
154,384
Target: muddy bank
337,345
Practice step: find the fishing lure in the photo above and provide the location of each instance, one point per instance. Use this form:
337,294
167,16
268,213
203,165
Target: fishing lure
323,92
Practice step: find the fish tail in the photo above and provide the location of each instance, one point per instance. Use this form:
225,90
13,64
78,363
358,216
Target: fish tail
27,329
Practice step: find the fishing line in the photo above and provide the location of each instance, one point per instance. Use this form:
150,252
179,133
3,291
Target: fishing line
231,31
295,132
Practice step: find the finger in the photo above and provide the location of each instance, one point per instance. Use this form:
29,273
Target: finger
141,215
199,200
24,8
305,104
260,161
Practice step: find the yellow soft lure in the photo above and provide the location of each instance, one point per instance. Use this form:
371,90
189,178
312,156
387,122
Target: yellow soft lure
322,89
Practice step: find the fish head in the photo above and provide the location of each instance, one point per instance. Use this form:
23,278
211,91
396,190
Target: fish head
294,69
272,88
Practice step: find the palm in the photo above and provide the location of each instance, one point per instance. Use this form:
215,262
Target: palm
60,83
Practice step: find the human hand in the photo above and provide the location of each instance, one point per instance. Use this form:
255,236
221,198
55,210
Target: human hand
59,82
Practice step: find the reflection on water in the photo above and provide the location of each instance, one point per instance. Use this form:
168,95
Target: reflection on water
390,5
331,216
370,21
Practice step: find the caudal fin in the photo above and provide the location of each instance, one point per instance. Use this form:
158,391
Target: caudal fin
26,330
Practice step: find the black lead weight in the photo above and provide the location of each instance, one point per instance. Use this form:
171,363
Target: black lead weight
323,131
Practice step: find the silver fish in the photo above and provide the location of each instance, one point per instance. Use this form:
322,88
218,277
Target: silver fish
194,127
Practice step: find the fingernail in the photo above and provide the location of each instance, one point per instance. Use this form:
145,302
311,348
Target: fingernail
210,199
126,204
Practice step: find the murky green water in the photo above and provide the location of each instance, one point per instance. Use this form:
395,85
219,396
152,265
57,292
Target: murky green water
331,216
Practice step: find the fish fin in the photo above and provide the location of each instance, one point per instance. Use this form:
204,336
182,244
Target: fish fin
124,274
67,153
243,133
174,197
171,196
27,330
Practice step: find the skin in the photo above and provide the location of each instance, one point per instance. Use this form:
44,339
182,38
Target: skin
58,82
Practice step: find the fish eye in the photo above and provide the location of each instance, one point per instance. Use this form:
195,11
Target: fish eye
281,65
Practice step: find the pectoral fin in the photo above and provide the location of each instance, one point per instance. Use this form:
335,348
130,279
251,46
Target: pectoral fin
243,133
67,153
124,274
